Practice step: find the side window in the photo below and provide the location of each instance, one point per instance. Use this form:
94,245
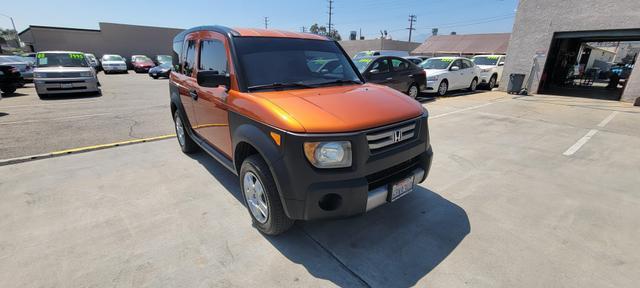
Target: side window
382,65
399,65
466,64
189,58
175,60
213,56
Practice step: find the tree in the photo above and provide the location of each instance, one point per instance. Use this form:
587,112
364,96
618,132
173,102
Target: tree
322,30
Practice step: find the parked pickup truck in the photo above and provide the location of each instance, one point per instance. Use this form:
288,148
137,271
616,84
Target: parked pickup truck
304,143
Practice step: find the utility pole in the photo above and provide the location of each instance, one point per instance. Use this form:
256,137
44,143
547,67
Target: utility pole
14,29
330,14
266,22
412,19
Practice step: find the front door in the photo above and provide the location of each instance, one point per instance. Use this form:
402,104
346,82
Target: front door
456,77
380,72
210,105
183,78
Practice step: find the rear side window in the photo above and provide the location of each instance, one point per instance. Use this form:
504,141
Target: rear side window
177,51
381,65
189,58
399,65
213,56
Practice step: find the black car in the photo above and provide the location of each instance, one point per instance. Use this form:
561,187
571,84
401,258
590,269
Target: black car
10,79
395,72
162,70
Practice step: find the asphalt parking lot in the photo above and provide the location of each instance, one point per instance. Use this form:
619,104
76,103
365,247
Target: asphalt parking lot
132,106
522,193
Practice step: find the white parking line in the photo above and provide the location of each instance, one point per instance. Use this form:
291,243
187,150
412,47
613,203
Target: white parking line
465,109
608,119
573,149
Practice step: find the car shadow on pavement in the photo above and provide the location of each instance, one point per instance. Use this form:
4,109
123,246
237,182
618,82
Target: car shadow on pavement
394,245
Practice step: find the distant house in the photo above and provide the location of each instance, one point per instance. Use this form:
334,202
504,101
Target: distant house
464,45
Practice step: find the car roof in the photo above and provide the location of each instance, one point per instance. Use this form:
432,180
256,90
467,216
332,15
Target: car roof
487,55
111,55
250,32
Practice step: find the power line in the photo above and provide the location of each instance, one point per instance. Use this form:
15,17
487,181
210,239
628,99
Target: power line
266,22
412,19
330,14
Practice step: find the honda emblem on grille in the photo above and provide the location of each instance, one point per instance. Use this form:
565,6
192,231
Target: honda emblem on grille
397,136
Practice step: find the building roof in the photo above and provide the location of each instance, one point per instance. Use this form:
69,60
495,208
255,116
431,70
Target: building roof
495,43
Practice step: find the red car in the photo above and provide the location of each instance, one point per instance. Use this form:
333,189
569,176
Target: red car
141,63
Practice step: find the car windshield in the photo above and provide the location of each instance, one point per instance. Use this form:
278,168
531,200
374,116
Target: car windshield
284,62
436,63
61,60
165,65
164,59
486,60
112,58
365,54
362,63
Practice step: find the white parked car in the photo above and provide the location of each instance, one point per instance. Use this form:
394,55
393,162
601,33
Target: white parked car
63,72
450,73
113,63
491,67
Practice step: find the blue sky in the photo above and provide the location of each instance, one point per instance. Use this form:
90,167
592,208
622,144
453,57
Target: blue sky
462,16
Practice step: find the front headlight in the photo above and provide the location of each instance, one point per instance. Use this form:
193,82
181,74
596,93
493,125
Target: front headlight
335,154
86,74
39,75
432,78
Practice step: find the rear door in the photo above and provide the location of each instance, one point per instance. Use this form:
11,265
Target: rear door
456,78
210,105
468,73
402,74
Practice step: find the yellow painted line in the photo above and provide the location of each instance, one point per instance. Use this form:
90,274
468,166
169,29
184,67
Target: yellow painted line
82,149
101,146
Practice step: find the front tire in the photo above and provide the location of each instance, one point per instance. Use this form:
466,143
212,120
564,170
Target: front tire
443,88
492,82
474,85
187,145
262,198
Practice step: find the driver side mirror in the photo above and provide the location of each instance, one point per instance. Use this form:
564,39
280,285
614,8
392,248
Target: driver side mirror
454,68
501,64
213,79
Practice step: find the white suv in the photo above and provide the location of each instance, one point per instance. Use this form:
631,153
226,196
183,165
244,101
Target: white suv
450,73
113,63
490,69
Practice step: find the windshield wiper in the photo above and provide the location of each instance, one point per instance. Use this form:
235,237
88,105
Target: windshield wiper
341,81
279,85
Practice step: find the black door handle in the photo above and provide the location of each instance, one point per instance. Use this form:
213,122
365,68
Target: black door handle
193,94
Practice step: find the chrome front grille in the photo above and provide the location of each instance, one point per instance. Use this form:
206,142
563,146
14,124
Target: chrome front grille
388,137
63,74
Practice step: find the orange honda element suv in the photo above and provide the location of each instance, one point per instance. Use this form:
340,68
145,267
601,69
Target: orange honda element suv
292,117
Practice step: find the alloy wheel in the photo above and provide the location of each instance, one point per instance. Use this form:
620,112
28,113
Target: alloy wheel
180,131
256,197
413,91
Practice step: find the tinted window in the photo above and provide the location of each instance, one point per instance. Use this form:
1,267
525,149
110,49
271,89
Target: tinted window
213,56
399,65
189,58
466,64
382,65
457,63
177,51
267,61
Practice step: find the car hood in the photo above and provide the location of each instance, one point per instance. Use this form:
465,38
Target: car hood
62,69
344,108
435,72
114,62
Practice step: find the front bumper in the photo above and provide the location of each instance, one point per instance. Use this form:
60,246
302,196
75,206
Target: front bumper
305,189
485,77
66,85
432,86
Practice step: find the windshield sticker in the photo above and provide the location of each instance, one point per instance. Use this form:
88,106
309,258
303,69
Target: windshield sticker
76,56
40,55
447,59
365,60
493,57
43,61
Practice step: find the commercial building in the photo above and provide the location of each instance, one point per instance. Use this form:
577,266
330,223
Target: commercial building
463,45
354,46
111,38
546,43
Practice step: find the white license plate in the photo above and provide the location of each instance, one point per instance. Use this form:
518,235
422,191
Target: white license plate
66,85
401,188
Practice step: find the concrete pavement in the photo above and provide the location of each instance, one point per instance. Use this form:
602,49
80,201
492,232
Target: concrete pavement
502,207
